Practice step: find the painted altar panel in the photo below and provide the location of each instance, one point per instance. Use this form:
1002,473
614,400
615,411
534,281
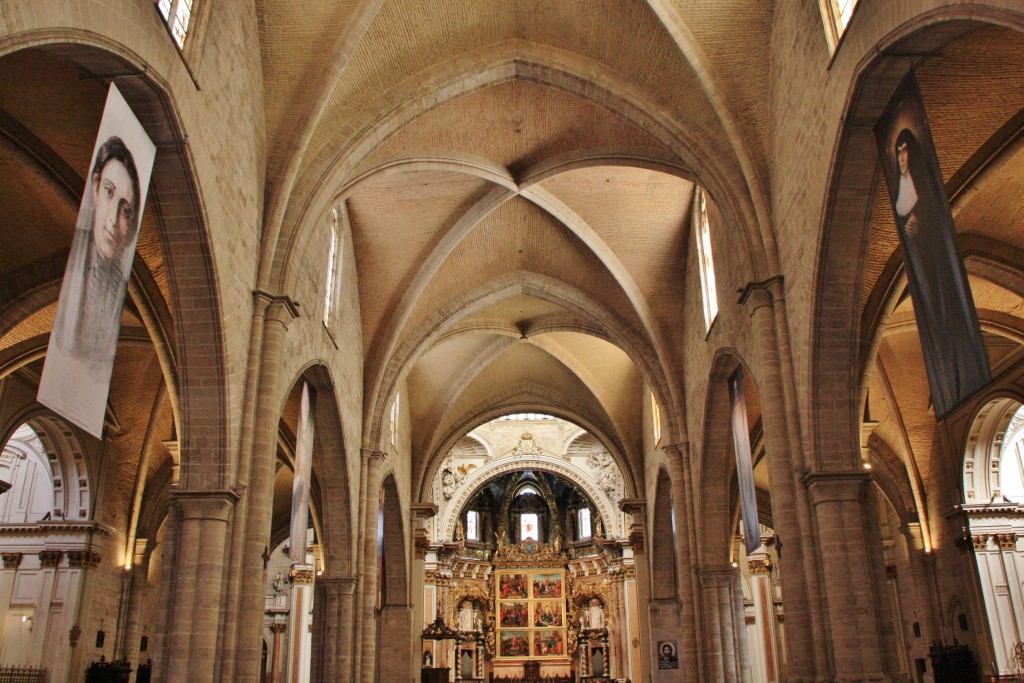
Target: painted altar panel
531,613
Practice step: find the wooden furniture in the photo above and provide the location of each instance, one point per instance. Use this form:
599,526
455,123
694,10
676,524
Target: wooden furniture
434,675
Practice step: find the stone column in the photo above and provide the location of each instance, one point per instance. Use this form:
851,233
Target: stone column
136,600
301,577
854,629
760,567
259,494
636,508
421,513
195,594
686,547
372,464
724,632
278,657
801,592
332,628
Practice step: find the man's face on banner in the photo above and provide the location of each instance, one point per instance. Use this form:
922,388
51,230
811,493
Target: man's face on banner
113,218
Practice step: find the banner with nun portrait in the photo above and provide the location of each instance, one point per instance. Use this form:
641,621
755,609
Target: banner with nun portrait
80,356
947,322
303,471
744,462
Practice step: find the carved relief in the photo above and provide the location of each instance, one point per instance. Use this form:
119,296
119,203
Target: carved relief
606,473
82,559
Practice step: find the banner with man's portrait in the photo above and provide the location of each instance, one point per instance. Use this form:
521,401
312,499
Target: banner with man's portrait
80,355
947,322
744,462
303,472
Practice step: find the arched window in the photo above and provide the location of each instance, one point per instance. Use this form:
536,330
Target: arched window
177,14
702,230
655,419
25,467
584,528
472,525
333,268
836,14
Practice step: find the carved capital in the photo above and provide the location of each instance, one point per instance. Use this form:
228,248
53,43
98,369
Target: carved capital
980,542
280,309
301,577
84,559
11,560
760,566
763,293
50,558
278,627
1007,541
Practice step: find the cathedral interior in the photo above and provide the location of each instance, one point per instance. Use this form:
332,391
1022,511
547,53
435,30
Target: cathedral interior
525,254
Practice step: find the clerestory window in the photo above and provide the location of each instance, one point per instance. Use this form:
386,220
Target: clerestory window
177,14
655,418
702,229
583,523
836,14
333,268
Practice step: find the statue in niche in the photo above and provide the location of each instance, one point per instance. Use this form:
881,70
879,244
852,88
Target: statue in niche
279,582
478,619
466,620
595,614
460,533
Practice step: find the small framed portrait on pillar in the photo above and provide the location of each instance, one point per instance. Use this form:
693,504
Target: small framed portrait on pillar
668,654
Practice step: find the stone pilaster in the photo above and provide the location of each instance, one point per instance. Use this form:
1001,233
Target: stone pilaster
854,630
373,462
332,628
807,657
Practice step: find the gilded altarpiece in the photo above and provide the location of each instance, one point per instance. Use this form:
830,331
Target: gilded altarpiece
531,613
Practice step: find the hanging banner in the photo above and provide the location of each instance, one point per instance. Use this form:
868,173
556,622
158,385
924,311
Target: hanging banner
303,472
947,322
80,356
744,462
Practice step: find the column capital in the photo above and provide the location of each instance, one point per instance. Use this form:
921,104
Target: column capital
681,448
637,509
762,293
717,576
340,585
275,307
215,504
11,560
84,559
423,511
372,456
831,487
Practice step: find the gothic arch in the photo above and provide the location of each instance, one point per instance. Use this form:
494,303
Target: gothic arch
197,350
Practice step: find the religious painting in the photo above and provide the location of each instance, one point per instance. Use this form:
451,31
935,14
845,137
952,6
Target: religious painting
547,585
514,614
548,644
512,586
514,644
668,654
947,322
547,613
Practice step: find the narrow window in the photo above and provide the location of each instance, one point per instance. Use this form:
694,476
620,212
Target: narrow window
473,525
836,14
656,418
177,14
583,523
394,419
528,527
332,269
708,288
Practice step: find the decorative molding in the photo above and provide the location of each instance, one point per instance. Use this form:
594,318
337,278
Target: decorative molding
301,577
84,559
54,528
11,560
50,558
760,566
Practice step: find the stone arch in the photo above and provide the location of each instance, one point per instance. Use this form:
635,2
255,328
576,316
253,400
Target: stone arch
664,579
835,362
197,350
718,507
331,506
558,406
599,320
491,66
983,449
544,463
